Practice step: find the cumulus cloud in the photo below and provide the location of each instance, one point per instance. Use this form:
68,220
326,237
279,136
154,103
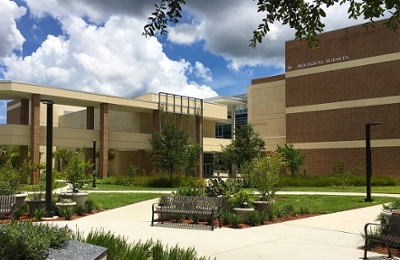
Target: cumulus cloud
202,72
184,33
11,38
113,59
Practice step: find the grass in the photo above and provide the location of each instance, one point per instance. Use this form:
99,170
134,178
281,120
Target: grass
116,200
361,189
315,203
123,187
318,204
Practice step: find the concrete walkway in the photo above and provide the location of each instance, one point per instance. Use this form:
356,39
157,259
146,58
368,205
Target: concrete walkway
329,237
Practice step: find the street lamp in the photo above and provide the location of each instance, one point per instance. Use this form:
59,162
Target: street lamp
49,152
94,164
368,158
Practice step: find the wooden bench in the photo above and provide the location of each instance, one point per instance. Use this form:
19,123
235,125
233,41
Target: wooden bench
7,205
390,237
209,207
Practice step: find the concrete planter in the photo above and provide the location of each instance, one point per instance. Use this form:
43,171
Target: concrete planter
386,213
262,206
243,213
66,205
78,197
20,199
34,204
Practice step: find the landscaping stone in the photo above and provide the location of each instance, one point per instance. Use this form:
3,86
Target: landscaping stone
78,251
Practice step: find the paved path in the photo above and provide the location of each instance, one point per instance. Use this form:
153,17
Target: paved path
329,237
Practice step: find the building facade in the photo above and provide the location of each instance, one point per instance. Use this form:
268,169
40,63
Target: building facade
121,124
325,98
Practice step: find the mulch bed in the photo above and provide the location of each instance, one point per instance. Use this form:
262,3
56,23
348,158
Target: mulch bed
26,217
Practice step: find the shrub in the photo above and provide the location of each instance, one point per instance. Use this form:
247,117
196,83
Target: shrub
234,220
28,241
39,213
188,192
293,158
80,209
218,187
253,218
119,249
225,217
90,205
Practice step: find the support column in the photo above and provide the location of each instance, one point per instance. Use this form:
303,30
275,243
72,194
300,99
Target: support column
35,135
90,126
156,129
199,138
103,160
23,120
141,161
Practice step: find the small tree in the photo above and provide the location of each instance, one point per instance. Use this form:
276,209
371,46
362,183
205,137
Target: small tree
170,149
61,156
192,157
265,175
293,158
75,171
246,146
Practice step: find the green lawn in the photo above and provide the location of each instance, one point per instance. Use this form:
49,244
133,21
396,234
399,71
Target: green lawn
116,200
328,204
314,203
362,189
122,187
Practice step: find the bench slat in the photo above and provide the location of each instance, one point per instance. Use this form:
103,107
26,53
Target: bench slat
190,205
391,239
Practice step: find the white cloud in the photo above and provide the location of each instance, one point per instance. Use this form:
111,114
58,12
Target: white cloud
113,59
202,72
11,38
184,33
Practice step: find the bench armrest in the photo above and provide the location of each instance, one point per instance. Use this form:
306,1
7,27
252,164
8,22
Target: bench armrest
368,225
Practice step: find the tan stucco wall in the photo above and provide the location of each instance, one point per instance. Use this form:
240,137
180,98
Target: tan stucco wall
266,112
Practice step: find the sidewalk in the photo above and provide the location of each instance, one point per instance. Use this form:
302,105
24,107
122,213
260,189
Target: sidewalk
329,237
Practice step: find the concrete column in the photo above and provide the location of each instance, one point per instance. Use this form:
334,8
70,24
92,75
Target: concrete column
156,121
199,139
35,135
24,120
90,125
141,159
103,160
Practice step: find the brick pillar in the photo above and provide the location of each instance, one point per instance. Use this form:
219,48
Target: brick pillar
24,120
141,161
156,129
103,160
89,125
198,140
35,135
156,121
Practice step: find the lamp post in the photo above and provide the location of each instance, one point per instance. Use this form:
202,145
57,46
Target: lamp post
368,158
94,164
49,152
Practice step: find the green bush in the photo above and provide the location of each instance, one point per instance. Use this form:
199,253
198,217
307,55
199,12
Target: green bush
334,180
253,218
90,205
119,249
28,241
234,220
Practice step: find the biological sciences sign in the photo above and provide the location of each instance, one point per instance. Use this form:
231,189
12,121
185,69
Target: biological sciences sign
319,62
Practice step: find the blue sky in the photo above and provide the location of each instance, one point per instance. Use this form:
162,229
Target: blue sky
97,46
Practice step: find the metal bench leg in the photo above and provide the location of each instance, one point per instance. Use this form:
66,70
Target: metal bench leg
365,248
389,251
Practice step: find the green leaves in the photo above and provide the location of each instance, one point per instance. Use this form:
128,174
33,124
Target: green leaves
168,12
301,15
